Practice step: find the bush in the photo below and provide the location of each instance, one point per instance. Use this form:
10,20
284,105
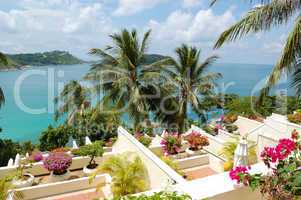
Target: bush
8,149
143,139
53,138
295,118
156,196
230,118
231,128
171,143
58,163
196,140
92,150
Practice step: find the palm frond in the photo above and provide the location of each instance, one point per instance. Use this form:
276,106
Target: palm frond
289,57
262,18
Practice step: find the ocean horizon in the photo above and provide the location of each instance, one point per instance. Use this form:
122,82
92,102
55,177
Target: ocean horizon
19,125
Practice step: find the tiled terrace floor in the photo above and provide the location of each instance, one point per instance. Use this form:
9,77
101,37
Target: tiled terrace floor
199,172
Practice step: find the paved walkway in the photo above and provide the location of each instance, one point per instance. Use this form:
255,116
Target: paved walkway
199,172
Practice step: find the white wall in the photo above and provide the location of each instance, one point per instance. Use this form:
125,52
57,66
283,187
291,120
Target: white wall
160,174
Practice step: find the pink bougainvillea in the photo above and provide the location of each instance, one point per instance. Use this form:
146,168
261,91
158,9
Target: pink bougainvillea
283,160
58,162
171,143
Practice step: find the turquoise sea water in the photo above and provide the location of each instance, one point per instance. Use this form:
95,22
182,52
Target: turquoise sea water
21,126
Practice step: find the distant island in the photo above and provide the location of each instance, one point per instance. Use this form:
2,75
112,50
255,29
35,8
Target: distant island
19,61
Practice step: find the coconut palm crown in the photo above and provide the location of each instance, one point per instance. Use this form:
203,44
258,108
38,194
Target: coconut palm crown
269,14
73,99
120,76
188,81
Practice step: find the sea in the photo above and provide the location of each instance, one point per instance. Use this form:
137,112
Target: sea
29,93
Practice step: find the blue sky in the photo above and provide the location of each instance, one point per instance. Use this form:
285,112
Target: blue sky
78,25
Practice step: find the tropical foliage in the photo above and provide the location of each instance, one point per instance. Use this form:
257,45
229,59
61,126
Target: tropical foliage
283,181
271,13
92,150
128,173
156,196
187,84
196,140
120,76
53,138
228,151
5,186
9,149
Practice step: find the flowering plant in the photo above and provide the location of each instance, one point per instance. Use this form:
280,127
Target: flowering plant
196,140
171,143
143,139
36,156
58,163
284,181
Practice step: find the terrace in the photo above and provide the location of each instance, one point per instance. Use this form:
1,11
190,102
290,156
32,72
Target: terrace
202,168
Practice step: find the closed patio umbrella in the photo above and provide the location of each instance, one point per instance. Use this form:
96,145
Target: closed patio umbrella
241,153
10,162
74,145
87,140
17,160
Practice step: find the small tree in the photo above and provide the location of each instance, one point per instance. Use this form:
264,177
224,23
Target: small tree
128,172
92,150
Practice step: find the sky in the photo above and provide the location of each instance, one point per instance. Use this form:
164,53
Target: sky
28,26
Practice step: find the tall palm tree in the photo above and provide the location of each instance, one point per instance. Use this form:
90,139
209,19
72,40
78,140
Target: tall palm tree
271,13
188,81
120,77
3,60
73,100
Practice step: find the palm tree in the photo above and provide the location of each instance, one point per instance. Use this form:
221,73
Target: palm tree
120,77
3,60
188,81
74,99
128,173
262,18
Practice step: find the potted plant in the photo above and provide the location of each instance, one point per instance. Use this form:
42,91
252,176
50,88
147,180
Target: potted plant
143,139
58,164
196,141
36,156
171,143
283,179
92,150
231,128
230,118
21,178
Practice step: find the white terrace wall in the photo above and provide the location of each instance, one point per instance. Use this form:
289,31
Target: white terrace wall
38,169
246,126
63,187
160,174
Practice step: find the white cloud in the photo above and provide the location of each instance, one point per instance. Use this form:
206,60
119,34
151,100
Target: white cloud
191,3
54,24
129,7
183,26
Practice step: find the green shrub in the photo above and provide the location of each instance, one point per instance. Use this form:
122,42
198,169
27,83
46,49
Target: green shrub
231,128
157,196
53,138
92,150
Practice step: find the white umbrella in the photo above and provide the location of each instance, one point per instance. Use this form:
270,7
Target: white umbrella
70,142
27,155
10,162
241,153
74,145
17,160
87,140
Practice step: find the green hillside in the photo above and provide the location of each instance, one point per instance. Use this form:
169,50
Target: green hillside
46,58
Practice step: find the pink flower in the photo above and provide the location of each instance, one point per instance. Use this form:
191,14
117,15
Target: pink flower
238,173
284,148
295,135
